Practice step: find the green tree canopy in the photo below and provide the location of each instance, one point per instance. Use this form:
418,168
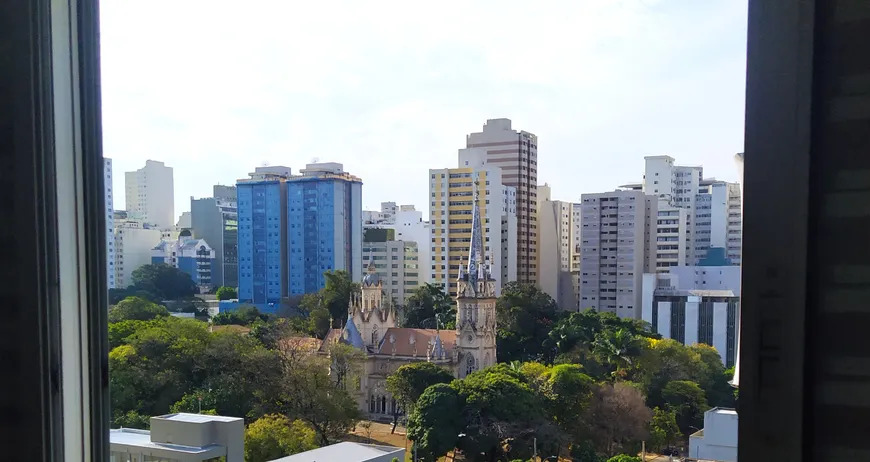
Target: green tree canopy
409,382
663,429
624,458
525,317
243,316
336,294
617,417
688,402
427,305
436,422
274,436
167,282
136,309
226,293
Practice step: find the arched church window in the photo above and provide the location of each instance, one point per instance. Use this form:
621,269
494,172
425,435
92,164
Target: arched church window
469,365
375,334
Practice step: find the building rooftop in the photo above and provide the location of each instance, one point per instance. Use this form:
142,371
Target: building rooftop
196,418
345,452
696,293
142,439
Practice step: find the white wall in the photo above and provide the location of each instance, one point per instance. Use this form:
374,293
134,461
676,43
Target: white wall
133,245
706,278
719,441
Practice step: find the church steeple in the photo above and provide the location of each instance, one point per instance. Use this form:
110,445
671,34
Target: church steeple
477,273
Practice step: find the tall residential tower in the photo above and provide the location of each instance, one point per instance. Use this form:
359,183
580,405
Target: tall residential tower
516,153
150,195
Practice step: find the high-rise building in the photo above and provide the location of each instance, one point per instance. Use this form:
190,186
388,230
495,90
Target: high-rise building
293,228
262,232
133,243
696,304
407,225
555,249
325,226
150,194
215,219
618,241
452,191
110,223
397,264
712,208
516,153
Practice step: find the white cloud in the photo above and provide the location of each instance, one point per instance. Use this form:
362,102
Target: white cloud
389,88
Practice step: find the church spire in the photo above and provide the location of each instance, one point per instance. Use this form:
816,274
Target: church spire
477,266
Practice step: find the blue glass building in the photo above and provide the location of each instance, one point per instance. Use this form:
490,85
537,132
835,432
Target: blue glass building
261,227
324,226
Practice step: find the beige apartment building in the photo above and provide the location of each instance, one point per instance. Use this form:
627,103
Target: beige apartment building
556,226
452,201
516,153
618,242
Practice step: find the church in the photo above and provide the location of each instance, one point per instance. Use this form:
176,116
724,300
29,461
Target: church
372,328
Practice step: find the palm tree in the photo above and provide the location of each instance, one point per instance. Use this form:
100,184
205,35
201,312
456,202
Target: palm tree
616,347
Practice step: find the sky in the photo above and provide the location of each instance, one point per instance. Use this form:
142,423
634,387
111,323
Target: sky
391,88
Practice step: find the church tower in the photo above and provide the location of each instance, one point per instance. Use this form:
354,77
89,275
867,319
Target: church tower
370,311
475,302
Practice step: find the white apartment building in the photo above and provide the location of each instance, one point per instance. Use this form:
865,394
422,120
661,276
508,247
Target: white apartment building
695,305
110,222
408,226
398,265
385,216
617,234
184,221
671,228
150,194
451,192
712,208
555,248
133,243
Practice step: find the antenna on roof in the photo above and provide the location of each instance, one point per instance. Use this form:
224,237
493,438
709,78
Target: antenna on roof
265,163
315,160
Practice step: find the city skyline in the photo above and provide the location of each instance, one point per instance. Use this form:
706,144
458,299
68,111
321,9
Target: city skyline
635,87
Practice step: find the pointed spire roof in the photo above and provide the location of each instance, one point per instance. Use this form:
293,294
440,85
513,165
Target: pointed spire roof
438,347
371,278
352,336
477,268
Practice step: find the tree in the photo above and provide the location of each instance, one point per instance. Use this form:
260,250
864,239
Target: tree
525,316
688,402
336,293
194,305
274,436
617,348
165,281
428,305
624,458
436,422
136,309
226,293
243,316
345,365
568,391
318,322
307,392
616,417
663,428
409,382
